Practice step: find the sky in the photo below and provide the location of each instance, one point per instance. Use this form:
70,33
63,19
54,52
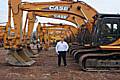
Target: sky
102,6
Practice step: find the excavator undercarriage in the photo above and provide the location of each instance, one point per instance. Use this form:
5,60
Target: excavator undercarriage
95,59
101,61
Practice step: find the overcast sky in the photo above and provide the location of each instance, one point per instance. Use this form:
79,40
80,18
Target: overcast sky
102,6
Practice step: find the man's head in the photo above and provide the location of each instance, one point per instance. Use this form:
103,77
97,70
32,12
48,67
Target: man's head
62,38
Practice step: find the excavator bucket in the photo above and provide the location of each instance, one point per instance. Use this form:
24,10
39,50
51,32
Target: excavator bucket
29,51
19,58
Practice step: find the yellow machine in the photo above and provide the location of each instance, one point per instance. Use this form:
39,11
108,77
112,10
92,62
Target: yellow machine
2,30
99,31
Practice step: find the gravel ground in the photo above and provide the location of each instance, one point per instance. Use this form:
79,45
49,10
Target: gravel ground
46,68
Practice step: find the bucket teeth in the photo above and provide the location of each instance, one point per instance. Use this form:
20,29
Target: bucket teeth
19,58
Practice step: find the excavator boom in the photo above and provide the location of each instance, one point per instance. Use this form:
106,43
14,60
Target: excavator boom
74,8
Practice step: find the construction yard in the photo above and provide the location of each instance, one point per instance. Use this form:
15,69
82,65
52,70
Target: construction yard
30,31
46,68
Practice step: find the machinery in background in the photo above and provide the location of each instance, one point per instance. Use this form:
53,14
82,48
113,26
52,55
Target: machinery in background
98,42
50,33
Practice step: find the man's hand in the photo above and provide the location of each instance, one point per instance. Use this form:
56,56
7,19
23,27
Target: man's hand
57,53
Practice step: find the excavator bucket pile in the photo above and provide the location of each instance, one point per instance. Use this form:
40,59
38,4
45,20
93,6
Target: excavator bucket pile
19,58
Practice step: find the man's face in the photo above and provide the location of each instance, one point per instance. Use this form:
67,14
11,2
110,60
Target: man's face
62,39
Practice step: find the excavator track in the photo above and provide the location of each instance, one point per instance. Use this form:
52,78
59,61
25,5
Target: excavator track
100,62
74,47
78,53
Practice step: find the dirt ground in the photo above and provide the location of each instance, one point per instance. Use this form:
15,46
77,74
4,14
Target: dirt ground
46,68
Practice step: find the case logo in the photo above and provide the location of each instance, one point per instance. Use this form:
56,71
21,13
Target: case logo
59,8
61,16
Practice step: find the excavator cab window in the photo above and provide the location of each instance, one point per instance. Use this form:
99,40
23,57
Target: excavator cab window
107,30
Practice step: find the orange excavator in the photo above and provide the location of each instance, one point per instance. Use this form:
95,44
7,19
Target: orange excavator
102,29
17,55
102,53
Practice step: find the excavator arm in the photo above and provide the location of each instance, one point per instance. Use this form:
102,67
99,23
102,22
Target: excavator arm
17,18
31,21
63,16
80,9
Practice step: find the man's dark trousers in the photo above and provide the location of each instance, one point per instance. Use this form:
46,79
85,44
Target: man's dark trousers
62,54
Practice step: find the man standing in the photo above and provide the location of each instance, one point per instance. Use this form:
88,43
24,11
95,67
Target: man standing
61,49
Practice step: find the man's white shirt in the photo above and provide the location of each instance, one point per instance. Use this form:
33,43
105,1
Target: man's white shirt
61,46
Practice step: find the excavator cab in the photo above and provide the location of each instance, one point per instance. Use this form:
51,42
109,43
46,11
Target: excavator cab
106,30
